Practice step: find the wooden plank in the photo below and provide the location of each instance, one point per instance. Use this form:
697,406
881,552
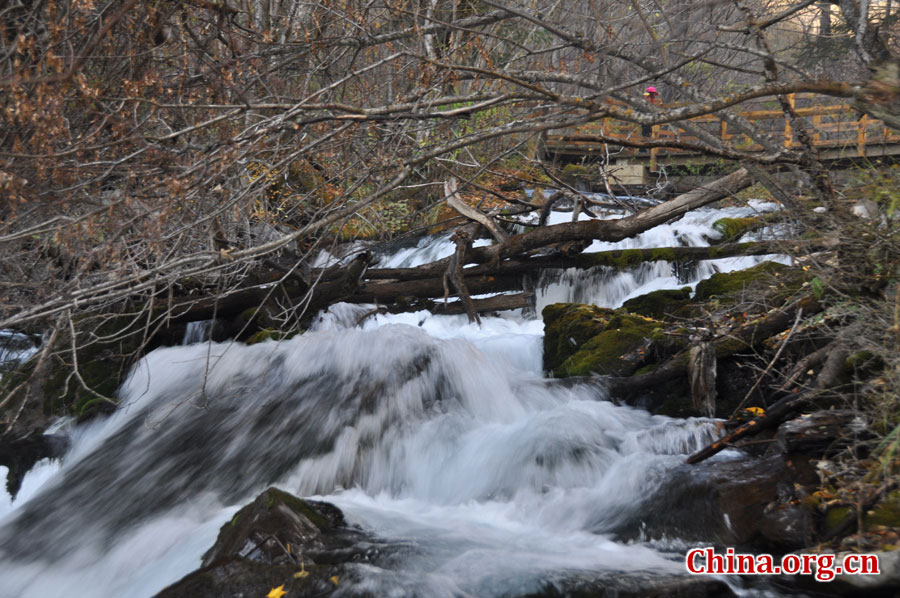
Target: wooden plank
788,130
861,135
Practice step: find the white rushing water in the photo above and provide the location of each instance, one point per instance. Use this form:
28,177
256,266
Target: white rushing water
611,288
422,429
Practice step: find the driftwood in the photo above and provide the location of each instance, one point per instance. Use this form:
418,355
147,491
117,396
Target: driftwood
455,274
702,370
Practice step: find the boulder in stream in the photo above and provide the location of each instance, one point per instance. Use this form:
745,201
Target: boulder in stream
581,340
276,540
731,502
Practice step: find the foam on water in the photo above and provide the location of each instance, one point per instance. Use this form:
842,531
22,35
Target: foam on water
607,287
488,468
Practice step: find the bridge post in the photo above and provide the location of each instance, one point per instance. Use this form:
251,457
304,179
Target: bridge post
861,131
788,130
654,135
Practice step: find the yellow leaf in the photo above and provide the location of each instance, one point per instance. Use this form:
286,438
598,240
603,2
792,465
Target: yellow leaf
334,579
301,574
276,592
755,410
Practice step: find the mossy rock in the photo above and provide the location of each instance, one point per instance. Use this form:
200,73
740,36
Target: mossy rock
732,229
568,326
274,514
267,542
105,355
659,304
835,519
886,513
612,352
778,281
581,340
268,334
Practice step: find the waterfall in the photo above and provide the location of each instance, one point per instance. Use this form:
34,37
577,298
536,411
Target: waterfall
607,287
197,332
424,430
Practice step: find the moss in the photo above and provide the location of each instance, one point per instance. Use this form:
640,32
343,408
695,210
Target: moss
727,283
298,505
577,172
732,229
605,353
679,404
568,326
659,303
863,364
646,369
886,513
662,254
835,518
580,340
267,334
630,258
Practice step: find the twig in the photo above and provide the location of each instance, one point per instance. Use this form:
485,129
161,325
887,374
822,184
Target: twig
771,363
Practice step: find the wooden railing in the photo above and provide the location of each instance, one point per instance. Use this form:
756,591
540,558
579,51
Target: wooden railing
835,125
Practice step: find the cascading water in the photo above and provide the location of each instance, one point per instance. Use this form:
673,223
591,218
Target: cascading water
423,430
611,288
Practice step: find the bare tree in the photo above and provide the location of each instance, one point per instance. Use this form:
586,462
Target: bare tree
162,162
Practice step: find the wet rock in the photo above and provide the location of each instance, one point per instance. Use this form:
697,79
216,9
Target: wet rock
659,304
107,347
19,453
788,527
276,540
777,280
635,585
884,585
581,340
727,502
821,432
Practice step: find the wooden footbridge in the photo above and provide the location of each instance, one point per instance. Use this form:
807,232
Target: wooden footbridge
837,130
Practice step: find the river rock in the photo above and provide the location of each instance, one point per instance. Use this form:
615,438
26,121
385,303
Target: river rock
776,281
884,585
659,304
822,432
276,540
20,451
635,585
733,502
582,340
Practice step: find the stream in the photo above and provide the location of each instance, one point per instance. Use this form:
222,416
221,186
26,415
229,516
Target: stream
427,431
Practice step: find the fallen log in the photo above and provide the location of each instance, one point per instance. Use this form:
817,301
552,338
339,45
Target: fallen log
745,337
489,304
618,258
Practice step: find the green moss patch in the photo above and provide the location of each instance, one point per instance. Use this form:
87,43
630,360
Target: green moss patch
732,229
886,513
268,334
659,304
581,340
784,280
